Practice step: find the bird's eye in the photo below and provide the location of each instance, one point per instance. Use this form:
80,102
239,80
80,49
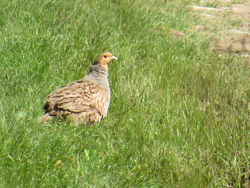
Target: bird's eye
105,56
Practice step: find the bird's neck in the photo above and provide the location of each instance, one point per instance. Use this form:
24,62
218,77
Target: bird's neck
99,69
99,76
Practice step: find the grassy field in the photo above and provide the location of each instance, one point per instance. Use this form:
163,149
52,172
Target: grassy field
179,113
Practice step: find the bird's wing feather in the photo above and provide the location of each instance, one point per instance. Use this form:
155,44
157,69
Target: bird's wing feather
78,97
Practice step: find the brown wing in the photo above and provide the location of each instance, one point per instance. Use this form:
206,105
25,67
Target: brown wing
76,97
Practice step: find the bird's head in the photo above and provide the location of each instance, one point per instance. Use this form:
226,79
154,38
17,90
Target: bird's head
104,59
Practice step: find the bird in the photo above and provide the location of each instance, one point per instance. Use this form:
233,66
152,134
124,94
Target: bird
84,101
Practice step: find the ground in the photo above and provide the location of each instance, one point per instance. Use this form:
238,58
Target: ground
228,23
179,111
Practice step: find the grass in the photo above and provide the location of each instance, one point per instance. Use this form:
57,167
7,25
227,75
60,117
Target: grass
179,115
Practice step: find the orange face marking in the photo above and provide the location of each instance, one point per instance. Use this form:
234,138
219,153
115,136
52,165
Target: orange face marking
105,58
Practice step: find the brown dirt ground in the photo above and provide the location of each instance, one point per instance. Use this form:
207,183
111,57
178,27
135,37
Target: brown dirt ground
227,23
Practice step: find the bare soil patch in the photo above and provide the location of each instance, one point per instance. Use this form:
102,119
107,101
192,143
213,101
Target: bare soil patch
228,23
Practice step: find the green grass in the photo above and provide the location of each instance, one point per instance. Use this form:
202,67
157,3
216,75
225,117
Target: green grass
179,114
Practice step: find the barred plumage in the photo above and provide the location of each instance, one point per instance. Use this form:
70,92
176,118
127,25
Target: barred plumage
84,101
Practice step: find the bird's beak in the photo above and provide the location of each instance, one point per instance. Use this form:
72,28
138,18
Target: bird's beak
114,58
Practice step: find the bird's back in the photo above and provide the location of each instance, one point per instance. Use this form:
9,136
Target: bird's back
79,100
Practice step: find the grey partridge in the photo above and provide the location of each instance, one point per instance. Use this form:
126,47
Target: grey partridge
84,101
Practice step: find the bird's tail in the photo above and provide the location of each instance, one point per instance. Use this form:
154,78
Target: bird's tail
46,117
